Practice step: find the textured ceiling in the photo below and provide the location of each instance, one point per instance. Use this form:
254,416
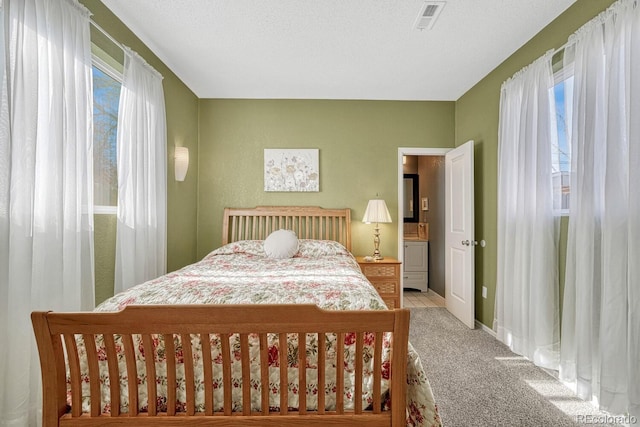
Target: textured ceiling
333,49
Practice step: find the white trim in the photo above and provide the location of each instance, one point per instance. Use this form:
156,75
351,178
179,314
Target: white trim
563,73
106,68
409,151
105,210
486,328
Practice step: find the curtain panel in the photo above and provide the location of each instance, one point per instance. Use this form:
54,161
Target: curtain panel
142,175
46,184
527,314
601,311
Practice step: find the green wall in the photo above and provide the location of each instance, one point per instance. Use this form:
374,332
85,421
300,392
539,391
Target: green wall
104,254
182,130
476,118
358,143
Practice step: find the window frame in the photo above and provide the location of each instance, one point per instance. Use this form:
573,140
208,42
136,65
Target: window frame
109,70
564,73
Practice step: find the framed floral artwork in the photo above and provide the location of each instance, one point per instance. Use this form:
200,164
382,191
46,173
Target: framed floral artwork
291,169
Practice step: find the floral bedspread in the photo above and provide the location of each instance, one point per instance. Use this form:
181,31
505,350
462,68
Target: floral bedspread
322,273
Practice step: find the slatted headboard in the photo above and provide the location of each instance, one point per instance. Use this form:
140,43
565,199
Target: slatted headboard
308,222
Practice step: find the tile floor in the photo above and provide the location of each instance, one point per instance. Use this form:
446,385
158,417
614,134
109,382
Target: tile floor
415,298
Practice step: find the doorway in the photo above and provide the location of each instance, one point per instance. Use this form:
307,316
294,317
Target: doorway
458,226
424,228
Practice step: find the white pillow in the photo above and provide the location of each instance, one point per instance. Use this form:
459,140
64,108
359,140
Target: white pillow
281,244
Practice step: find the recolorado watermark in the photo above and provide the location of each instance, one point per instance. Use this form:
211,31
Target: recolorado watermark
607,419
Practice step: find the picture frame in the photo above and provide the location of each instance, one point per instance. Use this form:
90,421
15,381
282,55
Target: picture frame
291,169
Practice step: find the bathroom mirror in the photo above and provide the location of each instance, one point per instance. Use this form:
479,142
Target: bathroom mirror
411,202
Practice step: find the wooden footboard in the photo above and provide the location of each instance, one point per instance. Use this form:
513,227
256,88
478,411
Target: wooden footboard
65,385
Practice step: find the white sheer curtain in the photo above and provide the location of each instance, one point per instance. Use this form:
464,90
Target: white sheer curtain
526,315
601,312
142,175
46,212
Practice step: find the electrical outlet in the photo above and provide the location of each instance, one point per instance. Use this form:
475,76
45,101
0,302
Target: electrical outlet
484,292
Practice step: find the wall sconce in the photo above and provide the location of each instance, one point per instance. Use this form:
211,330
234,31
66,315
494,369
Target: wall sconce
182,162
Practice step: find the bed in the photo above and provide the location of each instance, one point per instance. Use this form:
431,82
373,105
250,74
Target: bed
222,341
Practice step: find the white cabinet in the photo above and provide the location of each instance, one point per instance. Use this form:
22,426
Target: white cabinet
415,270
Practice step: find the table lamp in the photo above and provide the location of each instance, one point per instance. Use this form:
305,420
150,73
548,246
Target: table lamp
376,212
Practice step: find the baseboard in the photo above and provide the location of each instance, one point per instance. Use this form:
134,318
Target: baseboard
486,328
480,325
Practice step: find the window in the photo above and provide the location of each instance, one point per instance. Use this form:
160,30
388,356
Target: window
561,152
106,97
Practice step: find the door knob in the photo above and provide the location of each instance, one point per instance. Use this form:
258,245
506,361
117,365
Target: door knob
465,242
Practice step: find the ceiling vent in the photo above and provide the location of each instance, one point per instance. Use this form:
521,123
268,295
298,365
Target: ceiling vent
428,14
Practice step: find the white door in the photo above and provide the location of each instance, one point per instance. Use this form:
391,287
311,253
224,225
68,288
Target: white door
459,235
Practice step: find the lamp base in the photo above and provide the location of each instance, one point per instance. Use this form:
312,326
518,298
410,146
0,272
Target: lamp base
376,244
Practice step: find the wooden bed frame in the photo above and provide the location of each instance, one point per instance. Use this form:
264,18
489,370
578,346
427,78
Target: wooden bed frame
56,339
56,332
309,222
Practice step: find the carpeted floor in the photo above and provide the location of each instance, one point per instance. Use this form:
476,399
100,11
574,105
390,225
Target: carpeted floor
477,381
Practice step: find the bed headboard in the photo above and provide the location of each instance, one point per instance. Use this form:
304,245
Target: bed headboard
308,222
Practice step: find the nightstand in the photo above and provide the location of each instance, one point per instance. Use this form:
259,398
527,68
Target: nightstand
384,275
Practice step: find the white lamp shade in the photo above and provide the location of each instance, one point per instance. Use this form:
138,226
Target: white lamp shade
182,162
376,212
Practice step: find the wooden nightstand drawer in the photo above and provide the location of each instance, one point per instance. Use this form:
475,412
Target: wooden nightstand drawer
378,270
384,275
384,287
